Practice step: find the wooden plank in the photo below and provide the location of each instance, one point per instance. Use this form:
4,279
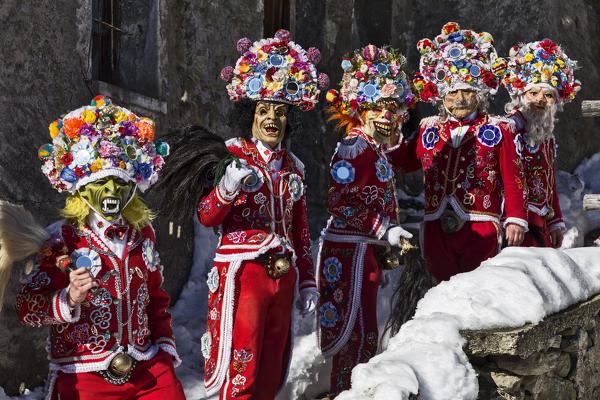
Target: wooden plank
591,202
590,108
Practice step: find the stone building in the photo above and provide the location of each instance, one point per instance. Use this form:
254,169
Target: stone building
162,58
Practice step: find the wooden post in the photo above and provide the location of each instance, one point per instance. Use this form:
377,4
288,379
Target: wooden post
591,202
590,108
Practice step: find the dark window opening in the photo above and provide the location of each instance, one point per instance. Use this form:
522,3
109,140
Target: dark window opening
277,16
105,40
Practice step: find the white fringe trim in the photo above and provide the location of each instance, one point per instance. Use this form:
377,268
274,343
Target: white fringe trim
353,150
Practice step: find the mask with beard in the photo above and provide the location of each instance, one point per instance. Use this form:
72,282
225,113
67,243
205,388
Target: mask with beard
539,121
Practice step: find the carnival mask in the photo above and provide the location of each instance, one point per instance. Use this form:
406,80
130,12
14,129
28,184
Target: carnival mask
108,195
461,103
538,98
380,122
270,120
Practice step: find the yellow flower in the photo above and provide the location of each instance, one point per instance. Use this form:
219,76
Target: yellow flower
560,62
535,79
120,116
289,59
243,68
537,65
89,116
122,165
299,76
453,69
528,57
556,68
262,56
99,102
463,71
546,74
274,86
54,129
96,165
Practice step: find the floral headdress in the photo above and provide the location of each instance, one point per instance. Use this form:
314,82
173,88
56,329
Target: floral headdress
457,59
102,140
276,69
541,63
371,76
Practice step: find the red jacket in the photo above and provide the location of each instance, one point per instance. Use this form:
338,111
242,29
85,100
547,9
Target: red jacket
538,163
267,216
477,177
128,309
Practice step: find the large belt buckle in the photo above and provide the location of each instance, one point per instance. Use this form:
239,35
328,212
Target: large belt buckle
120,369
450,222
276,265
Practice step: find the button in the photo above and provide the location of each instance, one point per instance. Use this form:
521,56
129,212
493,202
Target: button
116,301
461,170
462,158
458,185
446,156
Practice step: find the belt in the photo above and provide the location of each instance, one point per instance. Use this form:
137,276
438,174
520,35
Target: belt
450,221
276,265
120,369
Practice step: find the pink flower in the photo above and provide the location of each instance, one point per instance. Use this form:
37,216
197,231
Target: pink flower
388,90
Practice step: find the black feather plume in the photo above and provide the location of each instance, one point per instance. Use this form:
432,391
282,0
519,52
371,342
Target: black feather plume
188,172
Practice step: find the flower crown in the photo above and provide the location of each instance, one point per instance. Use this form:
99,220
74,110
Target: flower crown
276,69
541,63
372,76
457,59
101,140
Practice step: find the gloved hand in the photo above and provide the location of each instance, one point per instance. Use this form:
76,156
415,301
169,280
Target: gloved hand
308,301
394,233
234,175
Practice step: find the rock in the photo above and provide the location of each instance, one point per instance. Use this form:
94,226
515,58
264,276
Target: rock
536,364
548,387
506,382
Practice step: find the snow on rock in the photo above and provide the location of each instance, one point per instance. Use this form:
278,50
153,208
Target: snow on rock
518,286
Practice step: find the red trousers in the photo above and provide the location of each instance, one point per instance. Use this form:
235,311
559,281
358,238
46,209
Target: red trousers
261,339
362,343
448,254
153,379
538,234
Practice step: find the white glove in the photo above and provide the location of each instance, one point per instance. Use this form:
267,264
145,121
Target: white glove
394,233
308,301
385,279
232,180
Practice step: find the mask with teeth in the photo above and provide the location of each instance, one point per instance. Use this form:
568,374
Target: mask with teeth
108,195
380,122
269,124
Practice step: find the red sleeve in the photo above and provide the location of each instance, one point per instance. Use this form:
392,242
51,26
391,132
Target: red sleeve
159,319
43,298
301,238
346,204
513,177
213,208
404,155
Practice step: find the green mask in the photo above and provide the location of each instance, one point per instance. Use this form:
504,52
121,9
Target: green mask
108,196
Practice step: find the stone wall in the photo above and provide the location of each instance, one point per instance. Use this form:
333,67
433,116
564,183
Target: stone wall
559,358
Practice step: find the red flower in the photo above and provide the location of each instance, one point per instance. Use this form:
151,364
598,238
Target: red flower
354,104
429,91
294,69
266,48
517,83
489,80
359,75
293,53
79,172
67,158
270,73
549,46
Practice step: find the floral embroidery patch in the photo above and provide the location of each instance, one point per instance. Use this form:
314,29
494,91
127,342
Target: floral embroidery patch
430,137
213,280
150,255
237,237
260,198
383,171
342,172
241,358
328,315
489,135
206,344
332,268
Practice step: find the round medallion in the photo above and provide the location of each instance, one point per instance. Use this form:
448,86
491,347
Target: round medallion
475,71
276,60
382,169
83,262
440,75
292,88
382,69
343,173
131,152
330,315
45,152
369,90
455,52
82,157
254,85
489,134
400,89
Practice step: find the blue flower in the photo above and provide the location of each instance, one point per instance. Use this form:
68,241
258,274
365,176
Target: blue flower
332,268
145,170
370,90
342,172
462,64
430,137
329,315
489,135
455,37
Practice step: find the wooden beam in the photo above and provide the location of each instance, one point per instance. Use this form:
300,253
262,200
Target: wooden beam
591,202
590,108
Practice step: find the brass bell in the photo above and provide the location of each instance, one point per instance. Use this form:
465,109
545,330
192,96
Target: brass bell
121,364
390,260
282,265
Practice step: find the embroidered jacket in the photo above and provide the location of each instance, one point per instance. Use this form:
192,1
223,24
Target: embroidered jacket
477,177
362,203
538,163
362,196
128,309
267,215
